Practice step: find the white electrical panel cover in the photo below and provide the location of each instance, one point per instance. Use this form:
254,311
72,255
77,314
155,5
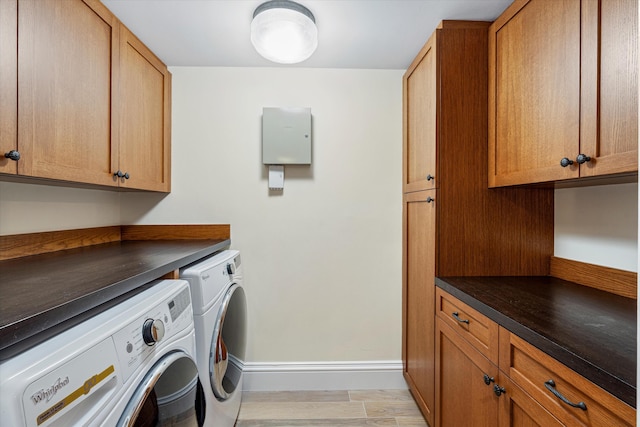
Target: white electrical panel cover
286,136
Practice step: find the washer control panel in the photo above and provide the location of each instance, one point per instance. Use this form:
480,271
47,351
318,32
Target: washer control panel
140,339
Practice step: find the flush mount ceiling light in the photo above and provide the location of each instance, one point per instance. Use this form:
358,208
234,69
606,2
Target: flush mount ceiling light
283,31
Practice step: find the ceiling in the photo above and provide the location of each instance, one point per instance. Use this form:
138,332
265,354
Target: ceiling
370,34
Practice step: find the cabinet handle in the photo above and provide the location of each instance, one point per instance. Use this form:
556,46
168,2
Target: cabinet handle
430,199
488,380
430,177
582,158
13,155
119,174
551,386
498,390
565,162
455,316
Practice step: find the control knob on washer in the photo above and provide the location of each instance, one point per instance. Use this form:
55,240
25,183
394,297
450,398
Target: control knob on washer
152,331
231,268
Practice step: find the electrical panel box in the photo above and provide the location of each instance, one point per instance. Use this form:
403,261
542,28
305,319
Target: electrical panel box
286,136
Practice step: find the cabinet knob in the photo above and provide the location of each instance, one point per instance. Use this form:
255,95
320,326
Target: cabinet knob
13,155
430,199
119,174
565,162
126,175
582,158
498,390
488,380
551,386
430,177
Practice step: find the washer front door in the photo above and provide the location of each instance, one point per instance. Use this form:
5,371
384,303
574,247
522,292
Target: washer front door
170,394
228,344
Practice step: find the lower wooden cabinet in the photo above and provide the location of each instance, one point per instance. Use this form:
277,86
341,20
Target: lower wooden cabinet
549,382
464,382
518,409
418,297
521,386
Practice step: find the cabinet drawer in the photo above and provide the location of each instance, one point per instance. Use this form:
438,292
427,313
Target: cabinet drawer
477,329
541,376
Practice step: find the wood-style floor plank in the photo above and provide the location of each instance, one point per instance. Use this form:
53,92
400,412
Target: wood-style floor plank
339,408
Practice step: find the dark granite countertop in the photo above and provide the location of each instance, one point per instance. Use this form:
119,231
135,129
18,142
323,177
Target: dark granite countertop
591,331
42,295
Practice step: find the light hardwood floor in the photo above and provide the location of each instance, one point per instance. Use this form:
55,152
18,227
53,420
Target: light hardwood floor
355,408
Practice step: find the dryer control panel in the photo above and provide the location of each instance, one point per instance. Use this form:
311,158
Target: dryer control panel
145,335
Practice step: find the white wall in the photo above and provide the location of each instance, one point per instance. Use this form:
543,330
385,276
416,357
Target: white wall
29,208
598,225
322,259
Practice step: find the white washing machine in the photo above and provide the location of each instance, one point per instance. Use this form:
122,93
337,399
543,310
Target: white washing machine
220,311
131,365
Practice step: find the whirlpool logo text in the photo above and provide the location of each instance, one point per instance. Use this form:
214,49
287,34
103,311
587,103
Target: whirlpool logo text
48,393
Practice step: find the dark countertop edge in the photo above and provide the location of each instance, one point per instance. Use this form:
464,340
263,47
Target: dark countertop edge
66,316
614,385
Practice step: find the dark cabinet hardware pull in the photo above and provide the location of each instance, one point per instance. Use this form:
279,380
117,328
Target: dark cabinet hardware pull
455,316
119,174
551,386
488,380
430,177
13,155
565,162
498,390
430,199
582,158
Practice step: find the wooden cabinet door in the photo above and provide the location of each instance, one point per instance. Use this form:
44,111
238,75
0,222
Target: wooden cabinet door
534,92
463,397
518,409
144,114
609,123
419,229
420,95
8,84
66,63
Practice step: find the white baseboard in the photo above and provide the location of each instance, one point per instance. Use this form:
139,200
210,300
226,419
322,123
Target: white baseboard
282,376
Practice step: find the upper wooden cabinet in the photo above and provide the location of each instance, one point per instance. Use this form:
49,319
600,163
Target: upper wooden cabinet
563,87
8,86
145,117
85,101
420,89
66,66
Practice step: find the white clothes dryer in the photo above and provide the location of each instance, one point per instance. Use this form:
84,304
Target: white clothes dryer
131,365
220,312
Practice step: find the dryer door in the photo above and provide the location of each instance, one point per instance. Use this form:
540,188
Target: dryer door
170,394
228,344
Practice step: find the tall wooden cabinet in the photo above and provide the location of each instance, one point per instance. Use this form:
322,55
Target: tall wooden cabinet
452,223
82,99
563,91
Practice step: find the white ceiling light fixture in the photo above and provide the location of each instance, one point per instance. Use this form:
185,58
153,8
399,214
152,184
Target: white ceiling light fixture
283,31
